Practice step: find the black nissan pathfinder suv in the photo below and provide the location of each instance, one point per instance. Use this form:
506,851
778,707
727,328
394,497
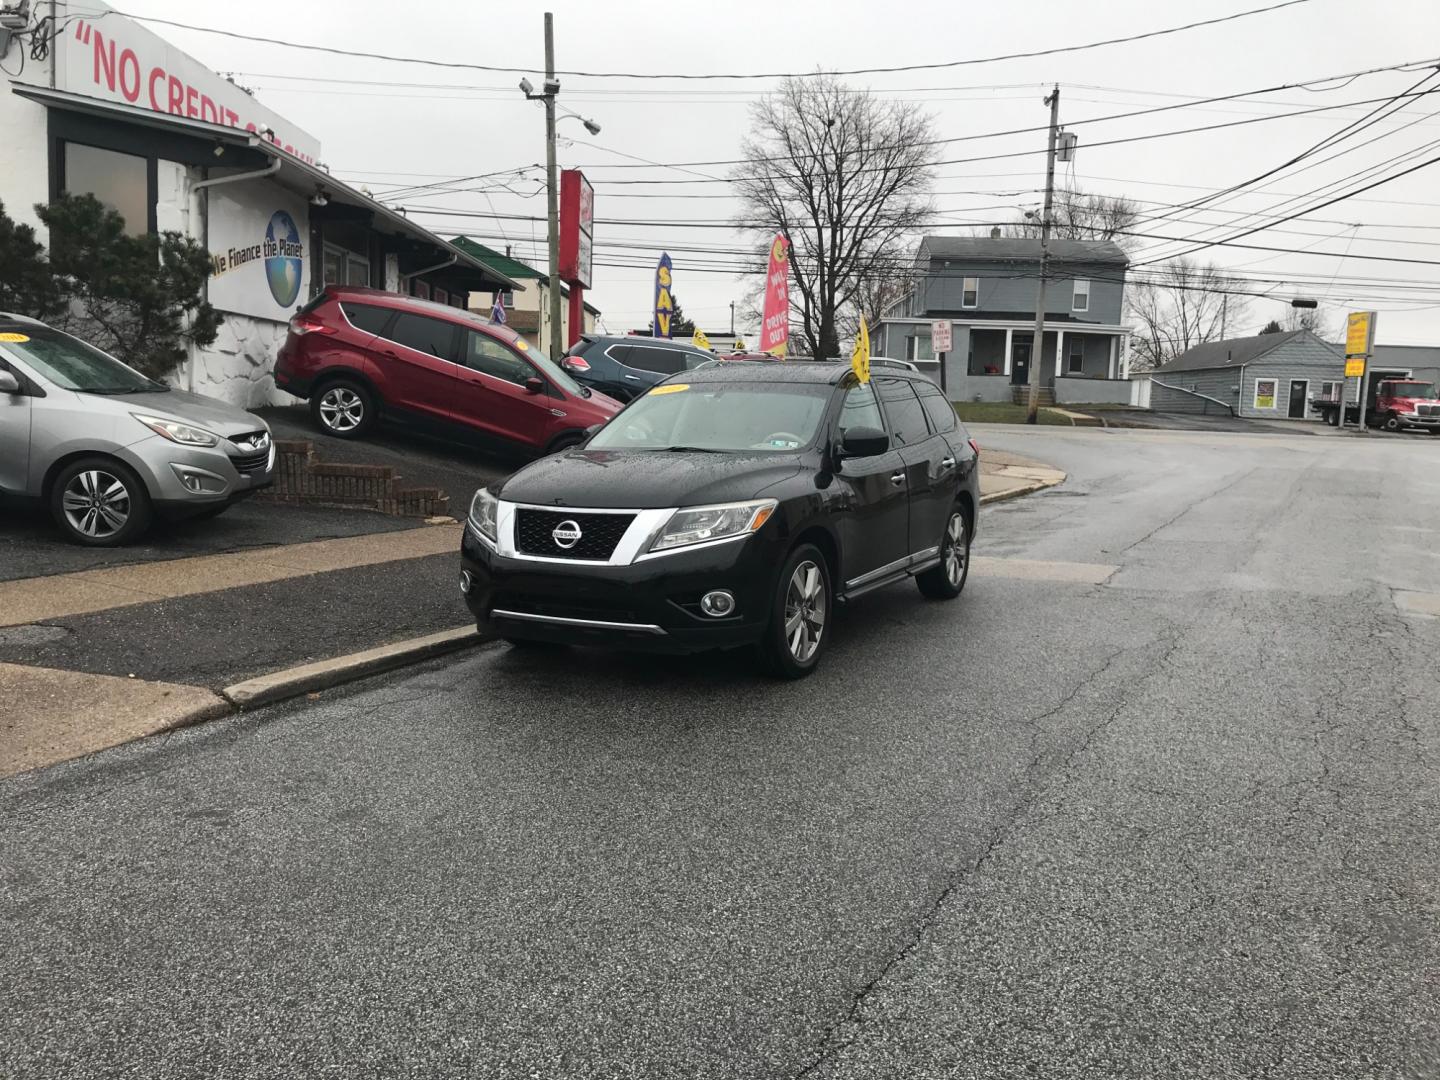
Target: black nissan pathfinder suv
735,504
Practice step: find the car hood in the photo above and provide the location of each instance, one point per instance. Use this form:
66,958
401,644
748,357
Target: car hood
209,413
612,479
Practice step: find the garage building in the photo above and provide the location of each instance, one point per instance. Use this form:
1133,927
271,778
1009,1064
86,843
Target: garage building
1266,377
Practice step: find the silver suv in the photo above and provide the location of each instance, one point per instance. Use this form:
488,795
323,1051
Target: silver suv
109,449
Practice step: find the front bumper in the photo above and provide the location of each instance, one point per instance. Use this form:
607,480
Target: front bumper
651,605
184,479
1417,420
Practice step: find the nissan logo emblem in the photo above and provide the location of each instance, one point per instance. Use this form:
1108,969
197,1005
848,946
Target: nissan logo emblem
567,534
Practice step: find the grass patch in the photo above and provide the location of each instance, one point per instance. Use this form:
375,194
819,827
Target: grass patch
1003,412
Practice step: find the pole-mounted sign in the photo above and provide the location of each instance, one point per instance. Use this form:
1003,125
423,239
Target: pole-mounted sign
1359,345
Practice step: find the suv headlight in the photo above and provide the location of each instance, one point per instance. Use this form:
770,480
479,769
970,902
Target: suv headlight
484,508
697,525
175,431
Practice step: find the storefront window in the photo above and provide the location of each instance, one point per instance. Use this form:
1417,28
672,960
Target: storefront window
119,181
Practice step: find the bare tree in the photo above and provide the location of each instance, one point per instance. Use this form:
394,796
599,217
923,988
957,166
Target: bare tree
843,176
1182,305
1320,321
1079,215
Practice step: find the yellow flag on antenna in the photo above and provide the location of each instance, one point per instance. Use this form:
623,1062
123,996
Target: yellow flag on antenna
860,359
699,340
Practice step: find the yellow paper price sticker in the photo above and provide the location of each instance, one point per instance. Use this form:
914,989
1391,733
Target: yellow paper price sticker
672,389
16,338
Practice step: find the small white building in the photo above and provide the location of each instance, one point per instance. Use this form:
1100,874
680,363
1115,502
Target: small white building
116,111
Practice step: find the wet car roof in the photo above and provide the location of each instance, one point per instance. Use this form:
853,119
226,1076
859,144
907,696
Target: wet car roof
817,373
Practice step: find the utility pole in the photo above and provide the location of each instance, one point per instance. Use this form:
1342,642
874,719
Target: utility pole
552,190
1224,310
1037,350
732,318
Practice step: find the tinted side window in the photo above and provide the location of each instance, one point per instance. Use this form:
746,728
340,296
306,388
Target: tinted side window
940,411
483,353
860,410
904,411
652,358
366,317
424,334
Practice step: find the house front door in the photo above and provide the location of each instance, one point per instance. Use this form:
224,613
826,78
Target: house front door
1299,391
1020,363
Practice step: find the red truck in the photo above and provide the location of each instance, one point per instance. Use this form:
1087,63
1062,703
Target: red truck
1394,404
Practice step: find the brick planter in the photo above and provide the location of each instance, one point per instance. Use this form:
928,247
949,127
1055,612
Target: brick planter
301,478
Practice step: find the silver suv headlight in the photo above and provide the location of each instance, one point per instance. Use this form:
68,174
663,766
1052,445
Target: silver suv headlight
484,509
701,524
176,432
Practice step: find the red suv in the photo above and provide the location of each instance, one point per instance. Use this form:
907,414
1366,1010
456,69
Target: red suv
360,354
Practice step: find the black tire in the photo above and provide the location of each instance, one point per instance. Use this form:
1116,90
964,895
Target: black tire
775,651
1332,418
947,580
1391,422
100,502
344,408
565,442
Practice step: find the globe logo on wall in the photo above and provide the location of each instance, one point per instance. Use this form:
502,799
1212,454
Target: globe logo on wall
283,258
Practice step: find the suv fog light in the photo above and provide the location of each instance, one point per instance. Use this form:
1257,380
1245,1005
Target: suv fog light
717,604
199,481
465,582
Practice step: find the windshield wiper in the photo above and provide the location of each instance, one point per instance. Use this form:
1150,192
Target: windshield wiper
688,450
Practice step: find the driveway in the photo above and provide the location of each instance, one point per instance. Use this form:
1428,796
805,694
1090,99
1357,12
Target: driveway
1155,799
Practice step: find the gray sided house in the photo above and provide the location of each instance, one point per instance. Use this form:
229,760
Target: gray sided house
1270,376
985,287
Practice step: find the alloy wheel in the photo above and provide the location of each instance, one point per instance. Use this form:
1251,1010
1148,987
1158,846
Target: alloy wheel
805,611
341,409
96,503
956,551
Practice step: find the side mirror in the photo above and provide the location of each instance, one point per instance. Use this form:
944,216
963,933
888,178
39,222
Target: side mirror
8,383
864,442
534,385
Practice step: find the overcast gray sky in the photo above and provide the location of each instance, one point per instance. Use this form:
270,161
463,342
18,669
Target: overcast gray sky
383,134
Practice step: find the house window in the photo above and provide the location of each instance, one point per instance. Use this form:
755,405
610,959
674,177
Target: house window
120,181
507,298
345,267
1075,357
1265,393
439,295
1329,391
970,292
918,348
1082,295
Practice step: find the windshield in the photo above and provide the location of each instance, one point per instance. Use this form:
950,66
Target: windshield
72,365
739,417
1423,390
551,370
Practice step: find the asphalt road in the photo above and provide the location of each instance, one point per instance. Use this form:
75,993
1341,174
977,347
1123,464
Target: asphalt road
1182,824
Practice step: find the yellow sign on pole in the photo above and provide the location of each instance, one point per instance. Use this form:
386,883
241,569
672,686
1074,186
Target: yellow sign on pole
1355,369
860,358
1359,333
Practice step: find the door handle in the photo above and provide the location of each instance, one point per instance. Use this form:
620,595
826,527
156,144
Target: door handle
632,378
948,463
897,478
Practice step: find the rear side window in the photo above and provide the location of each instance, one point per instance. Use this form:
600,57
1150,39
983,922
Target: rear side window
903,410
651,358
424,334
366,317
940,411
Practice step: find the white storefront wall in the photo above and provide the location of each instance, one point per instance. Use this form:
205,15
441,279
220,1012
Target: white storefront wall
257,232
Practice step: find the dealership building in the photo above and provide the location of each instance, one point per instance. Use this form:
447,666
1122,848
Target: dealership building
113,110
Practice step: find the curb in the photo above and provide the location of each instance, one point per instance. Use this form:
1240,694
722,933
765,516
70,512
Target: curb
323,674
1015,493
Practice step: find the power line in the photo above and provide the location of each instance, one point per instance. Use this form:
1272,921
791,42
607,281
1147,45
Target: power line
716,75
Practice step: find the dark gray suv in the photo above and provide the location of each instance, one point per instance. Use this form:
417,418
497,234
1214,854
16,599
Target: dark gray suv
624,367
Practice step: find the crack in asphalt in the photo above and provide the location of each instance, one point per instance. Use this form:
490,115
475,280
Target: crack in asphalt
1225,486
1007,830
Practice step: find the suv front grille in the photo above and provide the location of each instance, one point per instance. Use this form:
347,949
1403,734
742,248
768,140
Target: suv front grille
249,463
599,533
1428,410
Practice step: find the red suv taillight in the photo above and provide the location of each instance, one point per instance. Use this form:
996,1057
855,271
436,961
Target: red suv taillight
975,446
308,324
574,363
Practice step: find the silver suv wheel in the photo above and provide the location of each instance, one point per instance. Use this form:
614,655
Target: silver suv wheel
341,409
805,611
96,503
957,551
